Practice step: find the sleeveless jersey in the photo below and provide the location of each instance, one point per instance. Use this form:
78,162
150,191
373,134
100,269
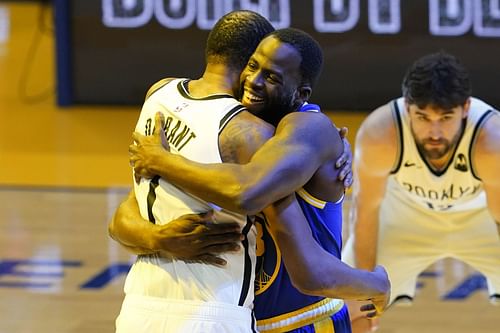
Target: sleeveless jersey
192,127
279,306
456,187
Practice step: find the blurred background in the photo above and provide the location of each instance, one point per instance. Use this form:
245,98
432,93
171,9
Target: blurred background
73,75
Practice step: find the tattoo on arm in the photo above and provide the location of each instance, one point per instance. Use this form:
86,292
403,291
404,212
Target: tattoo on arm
240,140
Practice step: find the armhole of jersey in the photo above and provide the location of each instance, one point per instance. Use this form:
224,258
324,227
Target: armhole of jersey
399,132
157,86
229,115
473,140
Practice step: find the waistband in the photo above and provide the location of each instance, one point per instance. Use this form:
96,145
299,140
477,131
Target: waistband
301,317
188,308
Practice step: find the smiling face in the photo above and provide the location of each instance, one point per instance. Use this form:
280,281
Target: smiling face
271,81
437,130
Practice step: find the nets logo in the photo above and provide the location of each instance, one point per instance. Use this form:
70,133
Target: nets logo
461,163
446,17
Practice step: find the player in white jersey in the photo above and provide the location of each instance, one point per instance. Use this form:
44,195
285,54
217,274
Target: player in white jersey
277,80
164,294
427,180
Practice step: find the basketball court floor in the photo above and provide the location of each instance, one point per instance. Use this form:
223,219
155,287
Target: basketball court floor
64,171
60,272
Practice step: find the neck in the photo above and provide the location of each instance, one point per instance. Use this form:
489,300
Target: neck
217,79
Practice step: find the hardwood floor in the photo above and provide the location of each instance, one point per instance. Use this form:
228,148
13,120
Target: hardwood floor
60,272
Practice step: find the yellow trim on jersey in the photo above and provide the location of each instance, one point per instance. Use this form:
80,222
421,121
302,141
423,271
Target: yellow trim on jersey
261,284
324,326
308,315
311,200
318,203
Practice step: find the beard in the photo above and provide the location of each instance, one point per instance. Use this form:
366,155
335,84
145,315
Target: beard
274,108
277,109
428,149
434,153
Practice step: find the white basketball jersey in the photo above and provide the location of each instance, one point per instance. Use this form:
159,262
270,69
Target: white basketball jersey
456,187
192,130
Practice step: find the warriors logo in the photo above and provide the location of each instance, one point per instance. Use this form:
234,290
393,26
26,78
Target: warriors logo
268,256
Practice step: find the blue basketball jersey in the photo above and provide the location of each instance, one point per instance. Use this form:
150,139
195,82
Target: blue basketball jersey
279,306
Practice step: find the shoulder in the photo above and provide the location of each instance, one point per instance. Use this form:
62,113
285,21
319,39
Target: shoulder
379,127
486,151
156,86
489,136
305,121
377,140
243,135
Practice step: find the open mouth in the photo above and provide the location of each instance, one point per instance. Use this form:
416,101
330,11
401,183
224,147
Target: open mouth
251,98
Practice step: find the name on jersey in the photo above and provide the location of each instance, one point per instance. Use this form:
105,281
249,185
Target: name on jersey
451,193
177,133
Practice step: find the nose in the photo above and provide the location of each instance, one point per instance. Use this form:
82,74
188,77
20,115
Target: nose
435,131
255,80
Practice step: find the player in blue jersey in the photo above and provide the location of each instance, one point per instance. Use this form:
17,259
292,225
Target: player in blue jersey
302,230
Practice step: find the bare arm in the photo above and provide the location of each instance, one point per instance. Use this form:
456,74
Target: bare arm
190,237
486,161
374,156
283,164
315,271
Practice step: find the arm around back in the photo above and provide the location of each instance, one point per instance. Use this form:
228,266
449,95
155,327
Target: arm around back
312,269
282,165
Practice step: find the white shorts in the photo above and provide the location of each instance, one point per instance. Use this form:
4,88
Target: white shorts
155,315
410,239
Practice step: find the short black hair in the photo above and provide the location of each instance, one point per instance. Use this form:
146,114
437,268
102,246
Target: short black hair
437,79
309,50
234,38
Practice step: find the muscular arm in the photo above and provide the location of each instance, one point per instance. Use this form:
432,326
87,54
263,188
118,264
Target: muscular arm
312,269
190,237
283,164
374,156
486,160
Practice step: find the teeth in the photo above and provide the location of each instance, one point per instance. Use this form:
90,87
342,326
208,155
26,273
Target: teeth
252,98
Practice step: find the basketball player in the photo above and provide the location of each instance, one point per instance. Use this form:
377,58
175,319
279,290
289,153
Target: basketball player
278,79
427,179
164,294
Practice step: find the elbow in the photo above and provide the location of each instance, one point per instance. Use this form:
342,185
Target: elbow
246,200
309,284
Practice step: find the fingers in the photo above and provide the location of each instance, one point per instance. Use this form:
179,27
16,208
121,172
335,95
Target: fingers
211,260
206,240
343,132
370,310
341,160
137,137
223,248
348,180
159,122
367,307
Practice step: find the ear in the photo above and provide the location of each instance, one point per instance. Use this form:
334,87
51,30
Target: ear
466,108
302,94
